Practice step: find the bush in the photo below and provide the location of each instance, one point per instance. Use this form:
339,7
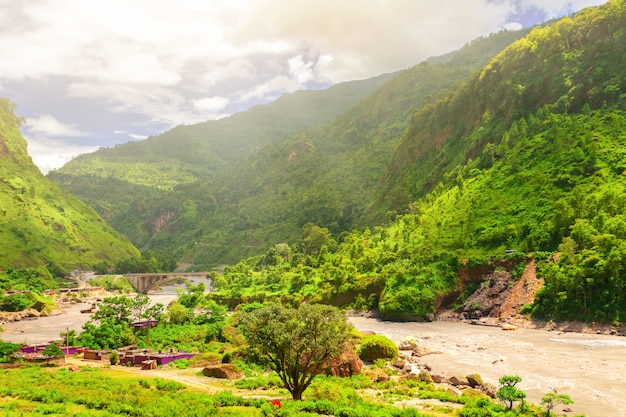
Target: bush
53,350
181,363
171,386
377,347
114,358
205,359
15,302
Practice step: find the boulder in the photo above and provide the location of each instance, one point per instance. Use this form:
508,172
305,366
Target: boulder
438,379
223,371
408,343
474,380
489,389
425,377
458,381
347,363
378,375
508,326
473,392
73,368
423,351
454,391
400,364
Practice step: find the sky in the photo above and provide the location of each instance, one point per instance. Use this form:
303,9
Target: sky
90,73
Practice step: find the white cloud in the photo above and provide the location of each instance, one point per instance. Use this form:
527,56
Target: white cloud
187,61
211,104
269,89
558,8
133,136
49,154
50,126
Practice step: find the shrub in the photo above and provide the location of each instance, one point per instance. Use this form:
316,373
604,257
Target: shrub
144,383
205,359
171,386
53,350
114,358
377,347
181,363
15,302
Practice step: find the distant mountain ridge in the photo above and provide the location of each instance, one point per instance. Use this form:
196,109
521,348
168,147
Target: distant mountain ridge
566,64
40,223
324,175
188,153
522,166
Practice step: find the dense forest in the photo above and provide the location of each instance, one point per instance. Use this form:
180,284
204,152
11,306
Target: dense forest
40,223
540,171
325,175
440,171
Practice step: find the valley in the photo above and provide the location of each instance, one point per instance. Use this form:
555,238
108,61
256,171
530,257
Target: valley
586,366
475,202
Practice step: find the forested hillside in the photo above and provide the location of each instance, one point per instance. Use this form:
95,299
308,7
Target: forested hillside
566,65
40,223
529,155
324,175
114,180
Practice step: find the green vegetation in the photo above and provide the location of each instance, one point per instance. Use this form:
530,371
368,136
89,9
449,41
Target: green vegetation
109,327
324,175
551,400
25,300
112,283
570,66
295,343
508,393
33,279
376,347
52,350
39,222
6,350
541,180
149,261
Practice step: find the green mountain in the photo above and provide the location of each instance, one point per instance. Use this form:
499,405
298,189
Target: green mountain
566,65
40,222
324,175
528,155
186,154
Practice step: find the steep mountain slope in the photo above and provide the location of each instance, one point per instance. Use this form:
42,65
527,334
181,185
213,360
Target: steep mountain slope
186,154
566,65
324,175
41,223
129,180
541,175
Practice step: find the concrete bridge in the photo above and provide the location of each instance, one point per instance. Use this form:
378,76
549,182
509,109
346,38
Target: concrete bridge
142,283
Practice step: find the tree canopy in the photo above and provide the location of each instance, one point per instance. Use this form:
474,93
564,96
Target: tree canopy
296,343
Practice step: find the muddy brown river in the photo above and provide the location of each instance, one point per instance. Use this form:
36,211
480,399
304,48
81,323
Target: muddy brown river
590,368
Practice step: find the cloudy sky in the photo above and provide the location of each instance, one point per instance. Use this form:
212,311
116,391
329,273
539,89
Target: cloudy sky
92,73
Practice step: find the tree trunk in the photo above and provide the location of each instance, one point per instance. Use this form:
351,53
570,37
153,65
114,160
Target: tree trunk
296,394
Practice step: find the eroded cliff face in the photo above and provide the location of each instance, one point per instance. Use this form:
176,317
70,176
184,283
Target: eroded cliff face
163,220
499,295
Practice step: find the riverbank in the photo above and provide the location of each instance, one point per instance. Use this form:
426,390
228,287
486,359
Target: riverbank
571,359
586,366
520,321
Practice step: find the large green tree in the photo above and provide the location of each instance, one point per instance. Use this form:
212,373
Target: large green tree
296,343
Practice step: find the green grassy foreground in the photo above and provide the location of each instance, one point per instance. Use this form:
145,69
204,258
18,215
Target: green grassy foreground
113,391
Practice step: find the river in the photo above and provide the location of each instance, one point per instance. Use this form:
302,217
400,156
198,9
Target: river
44,329
590,368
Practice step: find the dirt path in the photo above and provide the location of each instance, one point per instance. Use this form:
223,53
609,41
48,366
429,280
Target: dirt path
589,368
